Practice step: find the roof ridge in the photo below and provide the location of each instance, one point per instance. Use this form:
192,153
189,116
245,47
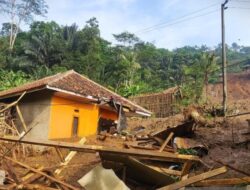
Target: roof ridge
61,75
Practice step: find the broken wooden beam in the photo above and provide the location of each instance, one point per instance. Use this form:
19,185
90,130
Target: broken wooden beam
13,103
59,153
194,179
30,177
35,186
21,118
153,155
222,182
165,170
41,173
170,136
186,167
183,178
10,170
68,158
7,187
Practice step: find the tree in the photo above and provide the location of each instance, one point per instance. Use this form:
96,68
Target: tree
70,36
197,75
128,39
9,79
45,45
21,11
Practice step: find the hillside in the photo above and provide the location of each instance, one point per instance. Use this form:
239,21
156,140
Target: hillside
238,88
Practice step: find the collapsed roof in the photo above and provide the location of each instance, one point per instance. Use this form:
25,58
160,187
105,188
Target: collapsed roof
73,82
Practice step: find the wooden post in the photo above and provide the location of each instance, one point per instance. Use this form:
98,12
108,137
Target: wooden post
21,117
166,141
224,61
186,167
59,153
69,157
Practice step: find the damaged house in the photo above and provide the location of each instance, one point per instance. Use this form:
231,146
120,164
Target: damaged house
68,105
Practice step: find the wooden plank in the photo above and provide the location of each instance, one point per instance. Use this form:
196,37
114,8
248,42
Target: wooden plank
68,158
183,178
35,186
42,173
59,153
186,167
30,177
8,187
194,179
166,141
152,155
13,103
222,182
21,117
165,170
10,170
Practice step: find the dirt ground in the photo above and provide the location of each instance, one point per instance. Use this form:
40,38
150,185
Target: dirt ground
220,140
238,85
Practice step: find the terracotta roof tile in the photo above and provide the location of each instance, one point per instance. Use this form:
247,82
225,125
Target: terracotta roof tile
73,82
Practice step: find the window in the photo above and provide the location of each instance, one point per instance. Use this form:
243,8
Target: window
75,126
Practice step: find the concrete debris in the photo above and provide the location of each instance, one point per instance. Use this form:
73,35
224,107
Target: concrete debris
100,178
2,177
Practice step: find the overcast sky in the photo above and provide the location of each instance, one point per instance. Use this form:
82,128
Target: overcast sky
201,27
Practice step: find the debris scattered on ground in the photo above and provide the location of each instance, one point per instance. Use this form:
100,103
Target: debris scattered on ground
169,153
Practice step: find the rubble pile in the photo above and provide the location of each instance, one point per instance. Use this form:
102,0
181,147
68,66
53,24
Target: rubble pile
169,157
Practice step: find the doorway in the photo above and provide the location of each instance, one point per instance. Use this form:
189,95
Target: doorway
75,126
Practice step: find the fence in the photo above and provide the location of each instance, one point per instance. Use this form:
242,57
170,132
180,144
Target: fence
161,104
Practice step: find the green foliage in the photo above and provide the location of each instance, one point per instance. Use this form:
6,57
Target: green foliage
129,67
188,151
9,79
18,12
197,77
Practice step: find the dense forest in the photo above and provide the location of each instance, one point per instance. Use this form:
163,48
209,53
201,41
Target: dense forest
130,66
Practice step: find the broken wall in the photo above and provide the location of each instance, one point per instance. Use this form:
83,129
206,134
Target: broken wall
35,108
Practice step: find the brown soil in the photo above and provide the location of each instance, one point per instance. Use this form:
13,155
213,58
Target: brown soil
238,88
219,139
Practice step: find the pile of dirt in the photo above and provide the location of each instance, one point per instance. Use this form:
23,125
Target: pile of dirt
151,124
221,137
238,85
221,142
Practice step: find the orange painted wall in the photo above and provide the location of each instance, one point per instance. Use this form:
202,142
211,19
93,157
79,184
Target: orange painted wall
107,114
62,114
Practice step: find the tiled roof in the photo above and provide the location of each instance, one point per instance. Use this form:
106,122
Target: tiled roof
73,82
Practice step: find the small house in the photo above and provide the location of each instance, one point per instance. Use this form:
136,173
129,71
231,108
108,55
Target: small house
68,105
